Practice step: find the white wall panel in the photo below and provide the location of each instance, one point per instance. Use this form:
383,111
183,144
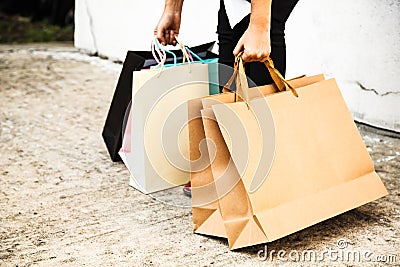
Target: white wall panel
355,41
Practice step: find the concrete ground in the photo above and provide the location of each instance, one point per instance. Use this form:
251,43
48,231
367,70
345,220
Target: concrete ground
63,202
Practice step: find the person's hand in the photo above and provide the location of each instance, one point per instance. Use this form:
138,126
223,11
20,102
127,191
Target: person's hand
255,44
168,27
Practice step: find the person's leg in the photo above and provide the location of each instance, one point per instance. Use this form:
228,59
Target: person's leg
228,39
280,12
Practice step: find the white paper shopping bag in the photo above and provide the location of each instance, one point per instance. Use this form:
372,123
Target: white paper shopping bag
158,158
138,79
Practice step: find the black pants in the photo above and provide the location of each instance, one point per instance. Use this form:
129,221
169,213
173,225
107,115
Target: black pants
228,38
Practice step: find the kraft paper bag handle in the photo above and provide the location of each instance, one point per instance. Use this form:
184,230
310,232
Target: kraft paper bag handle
279,80
242,86
239,76
276,76
228,85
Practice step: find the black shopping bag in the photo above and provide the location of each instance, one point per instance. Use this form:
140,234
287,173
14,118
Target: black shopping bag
135,61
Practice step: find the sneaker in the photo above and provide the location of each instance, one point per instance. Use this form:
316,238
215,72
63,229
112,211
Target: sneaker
187,190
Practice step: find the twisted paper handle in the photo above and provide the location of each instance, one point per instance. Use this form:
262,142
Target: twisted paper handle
279,80
276,76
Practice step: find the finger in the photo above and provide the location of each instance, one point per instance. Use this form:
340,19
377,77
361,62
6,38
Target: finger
265,55
258,57
246,57
171,39
237,50
249,56
166,37
160,36
156,34
264,58
239,47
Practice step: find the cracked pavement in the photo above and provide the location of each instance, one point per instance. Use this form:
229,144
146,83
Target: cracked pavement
63,202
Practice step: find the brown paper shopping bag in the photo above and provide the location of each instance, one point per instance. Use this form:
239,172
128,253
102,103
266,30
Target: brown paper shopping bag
205,208
205,200
302,161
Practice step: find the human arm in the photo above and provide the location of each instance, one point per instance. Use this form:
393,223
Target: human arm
255,42
169,23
